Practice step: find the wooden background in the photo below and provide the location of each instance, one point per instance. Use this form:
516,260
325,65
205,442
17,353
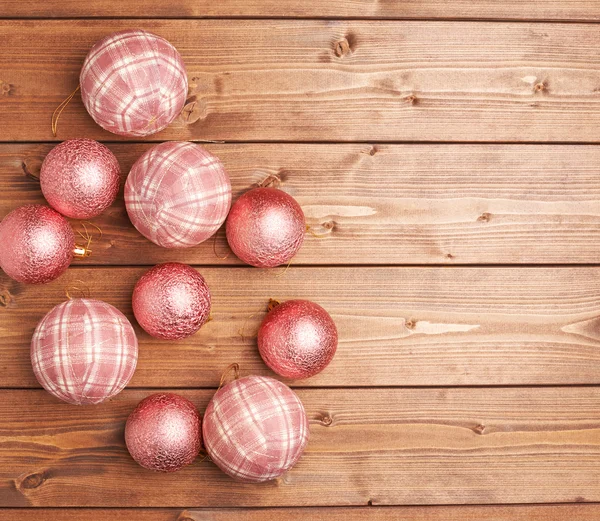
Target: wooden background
446,155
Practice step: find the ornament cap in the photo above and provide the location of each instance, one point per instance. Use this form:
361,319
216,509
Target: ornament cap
81,252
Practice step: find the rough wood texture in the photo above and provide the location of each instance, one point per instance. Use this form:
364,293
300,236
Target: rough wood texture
579,512
398,326
440,9
383,447
380,204
309,80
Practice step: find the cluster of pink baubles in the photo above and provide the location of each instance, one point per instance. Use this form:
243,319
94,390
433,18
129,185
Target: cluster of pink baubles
177,195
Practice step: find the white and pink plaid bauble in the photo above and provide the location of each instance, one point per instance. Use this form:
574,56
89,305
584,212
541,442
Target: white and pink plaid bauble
255,429
84,351
177,194
133,83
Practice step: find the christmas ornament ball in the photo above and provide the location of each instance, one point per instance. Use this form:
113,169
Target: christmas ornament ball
255,429
80,178
133,83
36,244
297,339
164,432
171,301
84,351
177,194
265,227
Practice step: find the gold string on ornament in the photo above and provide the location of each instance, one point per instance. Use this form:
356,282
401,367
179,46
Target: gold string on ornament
59,110
215,248
236,374
84,290
85,251
285,270
315,234
271,305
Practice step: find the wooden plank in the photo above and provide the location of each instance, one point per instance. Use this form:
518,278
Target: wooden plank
473,9
380,204
382,447
307,80
398,326
578,512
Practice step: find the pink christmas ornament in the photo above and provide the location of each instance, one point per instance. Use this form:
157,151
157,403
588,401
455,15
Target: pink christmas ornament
80,178
177,194
84,351
36,244
171,301
163,433
255,429
265,227
133,83
297,339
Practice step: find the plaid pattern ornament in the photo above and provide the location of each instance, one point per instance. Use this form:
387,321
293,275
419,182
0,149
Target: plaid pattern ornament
84,351
133,83
177,194
255,429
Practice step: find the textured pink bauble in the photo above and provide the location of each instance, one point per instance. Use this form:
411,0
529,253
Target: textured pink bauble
164,432
133,83
84,351
80,178
177,194
36,244
297,339
265,227
171,301
255,429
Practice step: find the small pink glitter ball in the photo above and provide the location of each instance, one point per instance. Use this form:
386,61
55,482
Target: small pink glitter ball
171,301
36,244
80,178
177,194
84,351
255,429
133,83
297,339
164,432
265,227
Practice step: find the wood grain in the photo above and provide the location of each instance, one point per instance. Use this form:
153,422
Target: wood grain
379,204
397,326
307,80
575,512
382,447
472,9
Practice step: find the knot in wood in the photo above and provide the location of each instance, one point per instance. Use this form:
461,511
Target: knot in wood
341,48
411,99
33,481
5,88
484,217
539,87
326,420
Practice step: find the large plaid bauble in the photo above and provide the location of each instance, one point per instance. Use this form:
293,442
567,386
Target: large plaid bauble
177,194
84,351
255,429
133,83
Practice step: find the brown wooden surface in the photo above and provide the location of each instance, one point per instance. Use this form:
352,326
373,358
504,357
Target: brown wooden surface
398,326
383,447
431,9
579,512
381,204
473,388
334,81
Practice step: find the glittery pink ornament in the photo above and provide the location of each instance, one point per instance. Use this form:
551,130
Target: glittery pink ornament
297,339
171,301
36,244
255,429
265,227
84,351
133,83
163,432
177,194
80,178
